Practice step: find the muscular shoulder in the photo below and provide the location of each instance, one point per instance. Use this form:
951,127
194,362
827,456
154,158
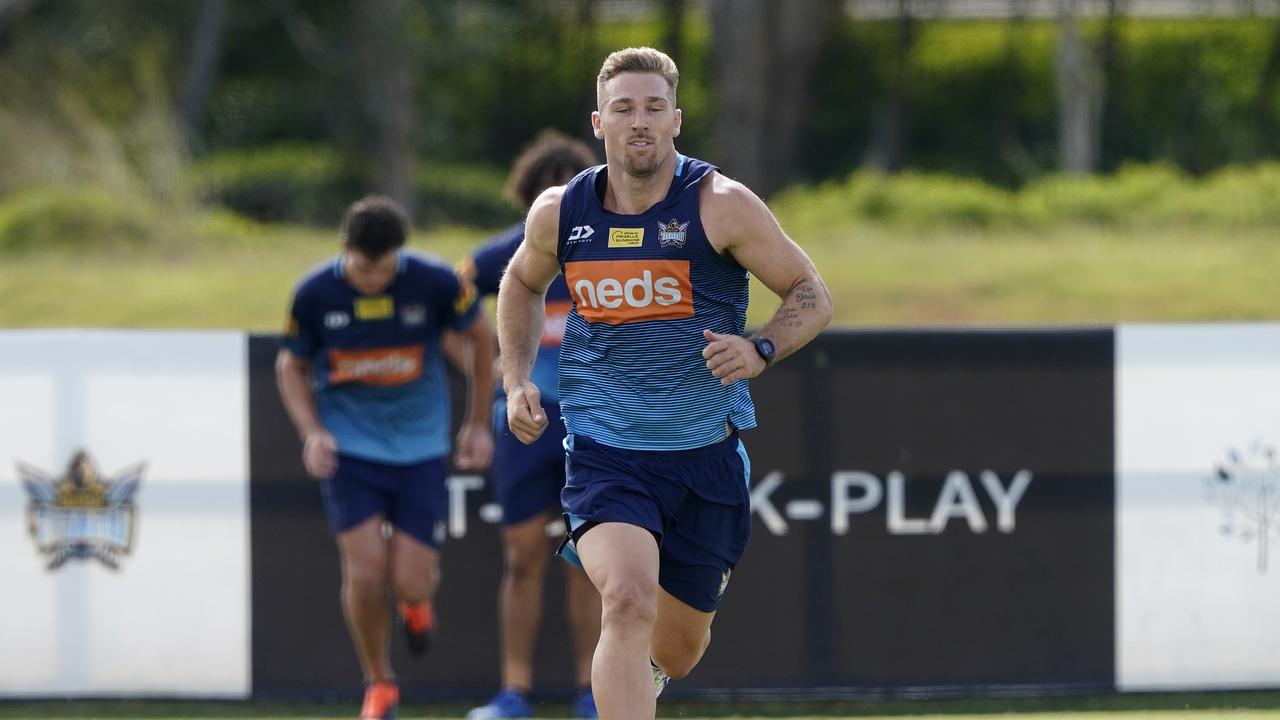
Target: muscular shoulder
542,227
730,211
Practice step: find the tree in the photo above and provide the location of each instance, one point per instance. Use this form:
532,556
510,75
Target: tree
764,52
889,131
202,63
384,78
1080,95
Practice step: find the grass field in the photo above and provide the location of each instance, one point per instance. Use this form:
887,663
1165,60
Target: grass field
878,277
1141,706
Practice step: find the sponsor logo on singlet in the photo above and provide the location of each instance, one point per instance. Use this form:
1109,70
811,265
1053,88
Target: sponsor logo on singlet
626,237
623,291
376,366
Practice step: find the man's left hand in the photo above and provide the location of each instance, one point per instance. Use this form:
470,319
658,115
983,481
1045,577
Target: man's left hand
731,357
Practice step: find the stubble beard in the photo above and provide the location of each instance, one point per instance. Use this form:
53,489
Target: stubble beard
641,168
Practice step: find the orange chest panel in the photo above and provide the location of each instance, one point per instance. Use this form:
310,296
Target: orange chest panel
376,366
624,291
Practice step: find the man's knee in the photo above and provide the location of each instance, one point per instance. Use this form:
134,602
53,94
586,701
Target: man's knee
525,561
629,602
414,585
678,653
364,577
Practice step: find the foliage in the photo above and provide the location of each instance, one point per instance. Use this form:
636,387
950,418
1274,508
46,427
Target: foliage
311,185
1137,197
980,96
65,218
294,183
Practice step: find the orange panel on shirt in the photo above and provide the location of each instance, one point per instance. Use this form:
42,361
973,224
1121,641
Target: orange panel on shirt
623,291
553,326
376,366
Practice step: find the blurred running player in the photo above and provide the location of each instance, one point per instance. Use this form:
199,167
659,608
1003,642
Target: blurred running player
528,478
656,248
361,375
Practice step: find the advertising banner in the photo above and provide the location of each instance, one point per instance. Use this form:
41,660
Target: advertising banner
124,550
1198,506
931,509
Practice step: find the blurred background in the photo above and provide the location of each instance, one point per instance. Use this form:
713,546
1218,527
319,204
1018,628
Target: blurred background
945,161
1062,171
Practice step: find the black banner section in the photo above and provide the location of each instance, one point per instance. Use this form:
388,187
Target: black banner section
934,512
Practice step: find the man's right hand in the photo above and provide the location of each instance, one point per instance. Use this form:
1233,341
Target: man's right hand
320,454
525,415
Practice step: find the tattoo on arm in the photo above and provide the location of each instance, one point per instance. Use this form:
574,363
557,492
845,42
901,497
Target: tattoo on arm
806,297
788,316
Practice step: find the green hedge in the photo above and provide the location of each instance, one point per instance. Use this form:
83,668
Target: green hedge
65,218
1136,197
311,185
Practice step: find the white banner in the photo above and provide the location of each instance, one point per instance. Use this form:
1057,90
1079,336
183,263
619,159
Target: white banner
124,524
1198,506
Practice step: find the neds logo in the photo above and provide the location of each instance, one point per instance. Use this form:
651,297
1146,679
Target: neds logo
623,291
376,366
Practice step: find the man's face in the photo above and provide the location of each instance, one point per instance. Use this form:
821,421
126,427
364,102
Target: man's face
369,276
637,121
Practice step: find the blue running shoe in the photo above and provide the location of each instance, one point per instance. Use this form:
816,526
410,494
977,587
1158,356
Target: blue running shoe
584,706
506,704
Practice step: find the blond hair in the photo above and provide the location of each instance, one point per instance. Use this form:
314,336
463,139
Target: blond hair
641,60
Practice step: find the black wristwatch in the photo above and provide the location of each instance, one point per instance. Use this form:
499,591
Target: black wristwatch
764,347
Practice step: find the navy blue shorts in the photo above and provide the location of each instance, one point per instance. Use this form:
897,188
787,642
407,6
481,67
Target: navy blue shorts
411,497
695,502
527,478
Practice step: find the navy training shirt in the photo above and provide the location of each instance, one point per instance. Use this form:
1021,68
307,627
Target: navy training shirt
376,366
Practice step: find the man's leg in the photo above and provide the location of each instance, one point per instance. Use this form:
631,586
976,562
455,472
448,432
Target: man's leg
582,609
520,598
680,635
415,568
622,562
363,553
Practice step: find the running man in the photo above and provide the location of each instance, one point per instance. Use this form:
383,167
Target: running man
361,375
528,478
656,248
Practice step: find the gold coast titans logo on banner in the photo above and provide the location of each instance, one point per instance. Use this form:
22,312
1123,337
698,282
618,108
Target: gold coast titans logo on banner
81,515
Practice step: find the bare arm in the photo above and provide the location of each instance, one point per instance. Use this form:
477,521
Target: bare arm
319,449
739,224
475,441
522,312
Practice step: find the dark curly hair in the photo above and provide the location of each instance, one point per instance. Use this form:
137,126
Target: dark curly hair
553,158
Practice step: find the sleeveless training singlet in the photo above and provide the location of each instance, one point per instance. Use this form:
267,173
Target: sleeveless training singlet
644,287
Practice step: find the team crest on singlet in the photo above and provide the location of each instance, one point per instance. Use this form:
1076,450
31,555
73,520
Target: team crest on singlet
671,234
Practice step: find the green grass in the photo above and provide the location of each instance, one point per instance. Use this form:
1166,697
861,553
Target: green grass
878,276
1141,706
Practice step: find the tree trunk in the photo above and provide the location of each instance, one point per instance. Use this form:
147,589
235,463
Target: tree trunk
1079,95
1009,127
1265,109
890,121
764,52
1111,141
673,28
385,80
202,64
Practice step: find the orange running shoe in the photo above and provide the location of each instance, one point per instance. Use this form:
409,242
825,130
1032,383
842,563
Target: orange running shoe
419,620
381,700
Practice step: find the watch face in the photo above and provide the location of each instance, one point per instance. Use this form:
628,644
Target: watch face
765,348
